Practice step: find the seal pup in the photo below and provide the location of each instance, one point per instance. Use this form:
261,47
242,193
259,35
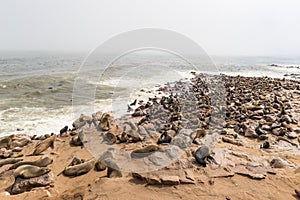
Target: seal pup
79,169
202,154
63,130
44,145
42,162
30,171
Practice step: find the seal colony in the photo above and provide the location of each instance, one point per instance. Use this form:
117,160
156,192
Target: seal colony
254,134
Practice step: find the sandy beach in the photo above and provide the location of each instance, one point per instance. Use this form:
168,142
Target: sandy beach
252,142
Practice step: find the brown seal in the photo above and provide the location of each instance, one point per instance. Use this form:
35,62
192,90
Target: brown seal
44,145
42,162
145,151
79,169
30,171
10,161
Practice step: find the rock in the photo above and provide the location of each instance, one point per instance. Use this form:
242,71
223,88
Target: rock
278,132
250,133
182,141
169,180
297,130
286,118
23,185
292,135
266,127
242,170
270,118
149,178
159,159
219,173
153,180
189,175
99,166
113,173
278,163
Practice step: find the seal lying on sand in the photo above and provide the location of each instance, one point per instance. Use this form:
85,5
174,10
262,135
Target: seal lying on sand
30,171
44,145
79,169
10,161
202,154
42,162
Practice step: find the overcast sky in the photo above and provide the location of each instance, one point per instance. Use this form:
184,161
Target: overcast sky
221,27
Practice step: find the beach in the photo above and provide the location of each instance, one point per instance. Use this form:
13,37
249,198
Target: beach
212,137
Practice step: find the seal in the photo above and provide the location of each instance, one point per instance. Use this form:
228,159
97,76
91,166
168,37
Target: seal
164,138
259,130
9,161
44,145
79,169
147,149
42,162
265,145
99,166
144,151
297,193
30,171
202,154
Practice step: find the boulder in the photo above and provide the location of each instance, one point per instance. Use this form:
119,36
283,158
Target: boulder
22,185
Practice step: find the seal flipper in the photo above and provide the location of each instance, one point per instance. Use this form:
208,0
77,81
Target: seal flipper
52,145
210,158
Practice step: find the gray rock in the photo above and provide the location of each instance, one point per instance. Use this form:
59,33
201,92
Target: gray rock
250,133
292,135
278,163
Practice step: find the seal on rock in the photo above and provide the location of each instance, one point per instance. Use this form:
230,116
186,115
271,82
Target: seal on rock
145,151
202,154
30,171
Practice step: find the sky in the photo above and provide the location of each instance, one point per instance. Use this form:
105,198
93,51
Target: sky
220,27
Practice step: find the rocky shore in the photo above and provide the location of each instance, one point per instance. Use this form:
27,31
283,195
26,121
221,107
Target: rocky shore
218,137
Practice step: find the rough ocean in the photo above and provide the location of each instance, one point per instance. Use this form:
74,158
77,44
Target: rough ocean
36,90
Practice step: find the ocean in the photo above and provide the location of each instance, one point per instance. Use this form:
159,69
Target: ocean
37,88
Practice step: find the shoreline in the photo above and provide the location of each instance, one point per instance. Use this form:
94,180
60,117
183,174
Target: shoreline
244,158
